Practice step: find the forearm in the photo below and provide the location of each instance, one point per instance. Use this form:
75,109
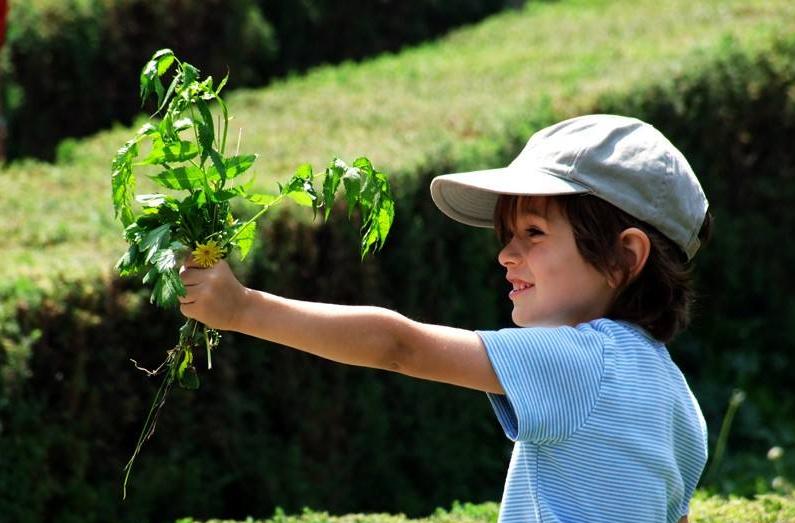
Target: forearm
354,335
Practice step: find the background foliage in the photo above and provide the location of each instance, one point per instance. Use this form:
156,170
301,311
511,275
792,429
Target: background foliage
275,427
61,53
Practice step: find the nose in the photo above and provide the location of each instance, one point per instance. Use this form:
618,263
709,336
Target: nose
508,255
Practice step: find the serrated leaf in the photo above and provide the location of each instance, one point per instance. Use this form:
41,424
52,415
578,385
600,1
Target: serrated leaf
304,171
161,153
167,259
301,198
164,58
167,288
131,262
187,178
234,166
152,200
218,167
169,92
155,240
386,215
352,181
182,124
330,185
151,73
205,126
189,73
368,192
363,164
245,239
123,181
228,194
147,129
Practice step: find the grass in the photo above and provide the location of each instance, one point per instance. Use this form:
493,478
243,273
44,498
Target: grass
767,508
453,97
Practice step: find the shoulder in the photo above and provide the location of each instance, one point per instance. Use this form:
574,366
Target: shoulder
592,334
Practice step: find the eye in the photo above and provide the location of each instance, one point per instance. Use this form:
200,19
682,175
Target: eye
533,231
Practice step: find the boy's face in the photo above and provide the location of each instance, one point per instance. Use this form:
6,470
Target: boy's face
552,283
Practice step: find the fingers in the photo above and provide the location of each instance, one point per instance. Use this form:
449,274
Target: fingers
190,275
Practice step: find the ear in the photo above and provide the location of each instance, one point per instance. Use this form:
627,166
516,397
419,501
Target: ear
635,247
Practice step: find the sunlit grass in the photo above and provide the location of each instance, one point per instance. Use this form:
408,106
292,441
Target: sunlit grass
450,97
768,508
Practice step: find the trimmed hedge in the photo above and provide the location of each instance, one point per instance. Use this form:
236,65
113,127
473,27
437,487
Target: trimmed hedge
70,62
273,427
767,508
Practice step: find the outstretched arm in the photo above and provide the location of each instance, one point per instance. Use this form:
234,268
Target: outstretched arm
355,335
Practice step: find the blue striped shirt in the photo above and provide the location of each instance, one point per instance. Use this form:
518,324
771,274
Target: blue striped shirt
604,424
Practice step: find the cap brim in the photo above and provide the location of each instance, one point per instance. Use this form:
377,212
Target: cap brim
470,197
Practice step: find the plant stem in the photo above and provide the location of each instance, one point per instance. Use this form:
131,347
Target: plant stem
149,424
735,401
253,219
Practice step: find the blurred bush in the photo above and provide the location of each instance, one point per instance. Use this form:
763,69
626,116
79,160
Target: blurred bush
69,64
319,31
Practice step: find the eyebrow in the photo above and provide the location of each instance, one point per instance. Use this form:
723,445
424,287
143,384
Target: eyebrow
535,212
531,206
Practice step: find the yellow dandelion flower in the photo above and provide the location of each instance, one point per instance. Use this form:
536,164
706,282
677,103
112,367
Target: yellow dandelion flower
207,254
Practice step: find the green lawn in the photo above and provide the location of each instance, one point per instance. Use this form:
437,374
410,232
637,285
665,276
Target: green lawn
452,97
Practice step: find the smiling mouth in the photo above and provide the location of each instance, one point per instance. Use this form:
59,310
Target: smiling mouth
519,288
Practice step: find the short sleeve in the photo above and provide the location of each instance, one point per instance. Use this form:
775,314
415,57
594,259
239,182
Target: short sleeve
551,377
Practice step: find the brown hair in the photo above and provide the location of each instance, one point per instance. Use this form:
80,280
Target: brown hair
659,299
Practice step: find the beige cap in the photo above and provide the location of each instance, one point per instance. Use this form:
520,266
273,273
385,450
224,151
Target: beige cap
621,160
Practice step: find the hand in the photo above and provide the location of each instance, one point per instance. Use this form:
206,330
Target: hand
214,296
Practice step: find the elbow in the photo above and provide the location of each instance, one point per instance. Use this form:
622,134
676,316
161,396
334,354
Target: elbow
396,352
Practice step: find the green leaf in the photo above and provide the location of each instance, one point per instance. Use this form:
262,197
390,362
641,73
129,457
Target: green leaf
304,172
155,240
352,180
245,239
187,178
123,181
219,168
233,166
167,289
386,215
301,198
189,379
147,129
221,84
168,259
228,194
151,73
363,164
180,151
131,262
164,59
153,200
174,82
189,74
261,198
330,185
205,128
183,123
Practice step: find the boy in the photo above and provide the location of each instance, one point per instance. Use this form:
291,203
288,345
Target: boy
600,216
